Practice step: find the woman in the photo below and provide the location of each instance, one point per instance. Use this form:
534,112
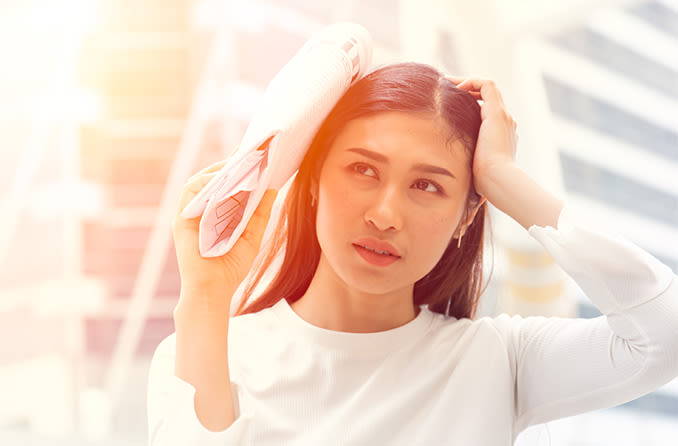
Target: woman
366,334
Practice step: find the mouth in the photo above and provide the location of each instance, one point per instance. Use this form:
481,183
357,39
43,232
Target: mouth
384,253
378,247
375,257
376,252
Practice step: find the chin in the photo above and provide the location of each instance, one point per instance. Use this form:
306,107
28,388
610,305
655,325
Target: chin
373,285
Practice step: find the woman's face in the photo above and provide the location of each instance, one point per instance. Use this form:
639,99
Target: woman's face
390,183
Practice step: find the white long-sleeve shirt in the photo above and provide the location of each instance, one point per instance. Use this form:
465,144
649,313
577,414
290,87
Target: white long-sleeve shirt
437,380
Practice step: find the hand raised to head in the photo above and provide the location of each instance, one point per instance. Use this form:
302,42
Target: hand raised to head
497,138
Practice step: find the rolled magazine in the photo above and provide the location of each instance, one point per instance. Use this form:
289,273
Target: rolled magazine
294,106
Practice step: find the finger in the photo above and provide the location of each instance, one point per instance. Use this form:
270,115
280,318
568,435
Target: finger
473,83
467,85
254,231
459,81
192,188
476,84
487,88
215,167
455,79
209,169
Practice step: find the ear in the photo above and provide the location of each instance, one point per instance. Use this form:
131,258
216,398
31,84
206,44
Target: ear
476,202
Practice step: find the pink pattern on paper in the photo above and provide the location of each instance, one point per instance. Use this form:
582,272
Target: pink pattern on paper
229,213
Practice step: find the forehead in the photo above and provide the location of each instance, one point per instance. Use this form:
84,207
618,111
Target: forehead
402,135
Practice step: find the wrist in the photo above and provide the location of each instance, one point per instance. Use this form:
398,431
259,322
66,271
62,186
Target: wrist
512,191
204,301
492,175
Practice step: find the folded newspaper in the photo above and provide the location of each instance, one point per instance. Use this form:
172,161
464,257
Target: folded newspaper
294,106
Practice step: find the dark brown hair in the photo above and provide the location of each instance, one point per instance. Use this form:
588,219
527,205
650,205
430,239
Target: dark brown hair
454,285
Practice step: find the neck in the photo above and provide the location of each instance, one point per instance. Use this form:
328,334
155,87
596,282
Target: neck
330,303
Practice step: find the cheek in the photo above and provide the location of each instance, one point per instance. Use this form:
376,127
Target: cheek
333,193
333,210
333,202
437,230
433,235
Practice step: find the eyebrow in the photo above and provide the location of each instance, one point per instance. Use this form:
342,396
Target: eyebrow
421,167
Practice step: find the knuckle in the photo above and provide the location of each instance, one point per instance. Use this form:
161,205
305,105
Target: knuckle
175,223
250,240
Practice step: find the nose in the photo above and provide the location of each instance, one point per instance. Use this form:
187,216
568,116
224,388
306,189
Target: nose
384,212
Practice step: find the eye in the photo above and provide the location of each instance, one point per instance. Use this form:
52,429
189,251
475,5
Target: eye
427,186
363,169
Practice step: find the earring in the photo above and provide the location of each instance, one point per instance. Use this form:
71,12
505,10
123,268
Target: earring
461,234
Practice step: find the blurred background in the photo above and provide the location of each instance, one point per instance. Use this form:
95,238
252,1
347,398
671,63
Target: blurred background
109,105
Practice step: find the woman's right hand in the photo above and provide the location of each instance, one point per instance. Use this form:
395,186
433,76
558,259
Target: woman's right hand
210,282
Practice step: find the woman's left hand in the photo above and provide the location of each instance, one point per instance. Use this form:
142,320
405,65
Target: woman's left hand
496,176
497,138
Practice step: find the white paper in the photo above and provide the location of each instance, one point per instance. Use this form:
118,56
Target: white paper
294,106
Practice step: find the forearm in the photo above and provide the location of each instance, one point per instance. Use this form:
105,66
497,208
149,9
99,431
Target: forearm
516,194
202,361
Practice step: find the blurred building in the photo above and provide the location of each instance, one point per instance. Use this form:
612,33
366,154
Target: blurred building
142,62
612,86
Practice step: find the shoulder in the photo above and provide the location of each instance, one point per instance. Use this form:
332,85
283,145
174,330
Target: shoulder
255,334
499,322
262,320
503,331
485,329
166,347
486,340
161,369
239,326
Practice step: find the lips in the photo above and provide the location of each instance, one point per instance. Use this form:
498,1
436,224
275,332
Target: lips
377,246
376,253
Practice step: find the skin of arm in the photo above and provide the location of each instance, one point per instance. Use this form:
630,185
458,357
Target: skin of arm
201,317
516,194
202,360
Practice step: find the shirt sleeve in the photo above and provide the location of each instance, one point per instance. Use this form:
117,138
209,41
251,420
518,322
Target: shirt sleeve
564,367
170,410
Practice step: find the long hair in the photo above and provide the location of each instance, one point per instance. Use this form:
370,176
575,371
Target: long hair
454,285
